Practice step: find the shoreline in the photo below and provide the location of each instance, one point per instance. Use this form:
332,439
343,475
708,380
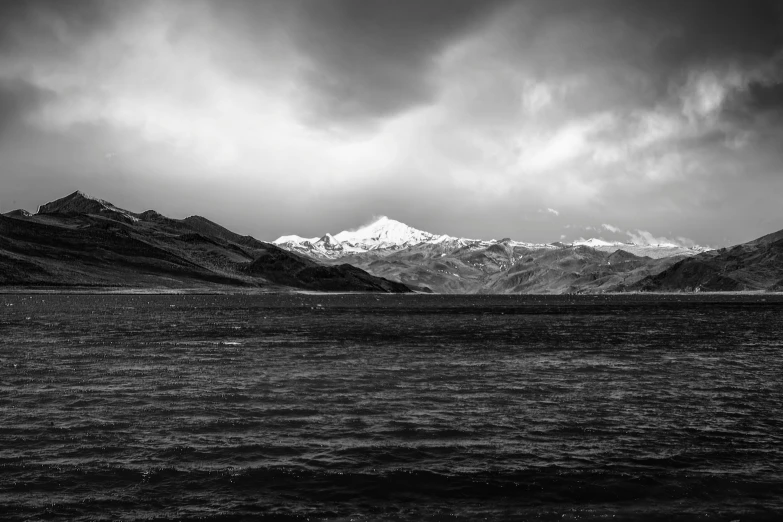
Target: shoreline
82,290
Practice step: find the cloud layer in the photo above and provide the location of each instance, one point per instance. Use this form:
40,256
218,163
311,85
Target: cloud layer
457,117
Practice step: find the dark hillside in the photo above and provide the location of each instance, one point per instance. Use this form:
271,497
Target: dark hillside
83,241
756,265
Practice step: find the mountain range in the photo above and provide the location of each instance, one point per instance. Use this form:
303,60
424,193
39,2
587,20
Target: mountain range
83,241
385,235
446,264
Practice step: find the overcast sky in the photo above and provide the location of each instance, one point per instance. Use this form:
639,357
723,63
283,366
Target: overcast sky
536,120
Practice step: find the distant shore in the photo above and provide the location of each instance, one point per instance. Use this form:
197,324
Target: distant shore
103,290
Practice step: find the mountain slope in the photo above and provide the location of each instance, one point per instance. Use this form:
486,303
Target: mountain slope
756,265
83,241
504,268
445,264
578,269
281,267
88,254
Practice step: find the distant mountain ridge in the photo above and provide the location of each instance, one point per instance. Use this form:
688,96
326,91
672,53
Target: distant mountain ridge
80,240
388,234
382,234
755,265
448,264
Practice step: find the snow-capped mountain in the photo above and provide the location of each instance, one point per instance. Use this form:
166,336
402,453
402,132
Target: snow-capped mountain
380,234
386,233
383,234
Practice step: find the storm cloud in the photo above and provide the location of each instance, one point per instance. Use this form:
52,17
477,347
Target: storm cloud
456,117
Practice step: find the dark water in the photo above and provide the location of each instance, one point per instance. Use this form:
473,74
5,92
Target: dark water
391,407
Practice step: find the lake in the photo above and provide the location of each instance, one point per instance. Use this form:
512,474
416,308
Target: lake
391,407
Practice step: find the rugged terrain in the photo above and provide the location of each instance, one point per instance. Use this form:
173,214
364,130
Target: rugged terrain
79,240
446,264
82,241
503,267
756,265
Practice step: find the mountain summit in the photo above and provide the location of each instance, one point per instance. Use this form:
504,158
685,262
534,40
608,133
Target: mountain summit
82,203
385,233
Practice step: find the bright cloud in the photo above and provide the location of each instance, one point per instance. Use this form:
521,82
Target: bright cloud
642,237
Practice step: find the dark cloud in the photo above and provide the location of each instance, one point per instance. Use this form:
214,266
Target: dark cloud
757,111
53,27
682,33
17,99
638,48
765,97
362,60
372,58
702,30
354,61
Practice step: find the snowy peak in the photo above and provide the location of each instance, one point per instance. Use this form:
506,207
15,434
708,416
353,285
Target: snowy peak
328,242
383,233
293,239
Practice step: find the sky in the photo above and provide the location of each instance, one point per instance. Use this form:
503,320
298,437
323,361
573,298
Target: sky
536,120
